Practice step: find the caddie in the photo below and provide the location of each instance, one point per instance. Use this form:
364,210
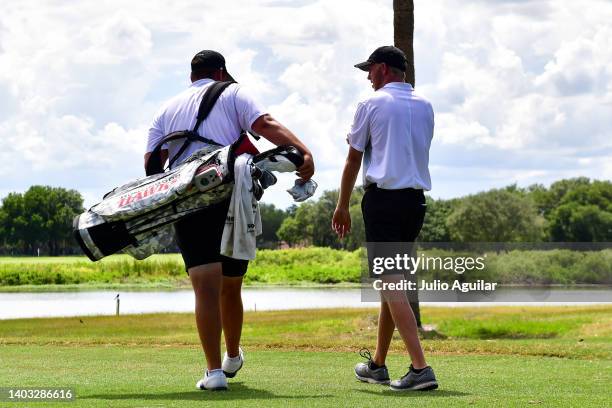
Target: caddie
216,279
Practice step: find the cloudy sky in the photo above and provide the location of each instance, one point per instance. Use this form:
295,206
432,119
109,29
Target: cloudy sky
522,90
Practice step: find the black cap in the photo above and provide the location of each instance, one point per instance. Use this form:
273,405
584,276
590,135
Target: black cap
209,59
392,56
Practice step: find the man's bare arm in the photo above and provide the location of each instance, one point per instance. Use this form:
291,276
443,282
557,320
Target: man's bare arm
278,134
164,157
349,176
341,222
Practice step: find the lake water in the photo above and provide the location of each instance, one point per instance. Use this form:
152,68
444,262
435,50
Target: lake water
56,304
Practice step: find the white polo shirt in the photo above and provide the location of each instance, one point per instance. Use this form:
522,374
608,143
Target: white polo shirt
394,128
234,111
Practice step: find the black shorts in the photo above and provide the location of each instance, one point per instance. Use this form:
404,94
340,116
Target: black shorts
199,238
393,215
393,220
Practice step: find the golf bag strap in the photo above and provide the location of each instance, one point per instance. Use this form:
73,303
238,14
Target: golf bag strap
154,164
208,101
189,137
210,97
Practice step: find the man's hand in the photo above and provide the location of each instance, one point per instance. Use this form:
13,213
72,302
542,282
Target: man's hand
276,133
341,222
307,169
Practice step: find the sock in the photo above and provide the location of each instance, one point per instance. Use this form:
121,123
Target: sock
417,370
212,373
234,359
374,366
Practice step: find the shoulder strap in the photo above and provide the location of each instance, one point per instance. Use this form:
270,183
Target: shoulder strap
154,164
208,101
210,97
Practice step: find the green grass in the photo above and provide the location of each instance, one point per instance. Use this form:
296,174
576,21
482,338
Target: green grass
165,377
498,356
310,266
568,332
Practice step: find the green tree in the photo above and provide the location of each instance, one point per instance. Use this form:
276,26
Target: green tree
310,223
320,217
574,222
40,218
435,228
576,209
13,222
271,220
293,231
496,216
547,200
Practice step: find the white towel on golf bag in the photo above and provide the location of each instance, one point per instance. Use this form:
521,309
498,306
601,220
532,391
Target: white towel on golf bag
243,222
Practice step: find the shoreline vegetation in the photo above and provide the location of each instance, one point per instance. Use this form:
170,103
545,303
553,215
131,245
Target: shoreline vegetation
186,285
310,267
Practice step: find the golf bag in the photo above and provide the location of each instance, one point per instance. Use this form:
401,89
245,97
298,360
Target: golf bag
137,217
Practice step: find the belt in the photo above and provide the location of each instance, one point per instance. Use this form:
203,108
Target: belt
374,186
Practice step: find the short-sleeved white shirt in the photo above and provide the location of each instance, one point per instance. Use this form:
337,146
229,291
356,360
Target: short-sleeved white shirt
394,128
234,111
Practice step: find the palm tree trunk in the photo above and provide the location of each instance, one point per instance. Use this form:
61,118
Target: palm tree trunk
403,33
403,37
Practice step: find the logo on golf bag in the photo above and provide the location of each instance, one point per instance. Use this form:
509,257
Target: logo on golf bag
148,191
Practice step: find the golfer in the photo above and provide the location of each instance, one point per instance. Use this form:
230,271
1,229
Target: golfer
216,279
392,132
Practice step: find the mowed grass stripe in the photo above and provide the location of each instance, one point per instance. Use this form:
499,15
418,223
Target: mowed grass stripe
165,376
570,332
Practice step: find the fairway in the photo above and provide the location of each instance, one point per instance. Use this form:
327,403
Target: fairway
502,356
165,377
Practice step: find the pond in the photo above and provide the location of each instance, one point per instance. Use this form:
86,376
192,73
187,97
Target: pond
81,303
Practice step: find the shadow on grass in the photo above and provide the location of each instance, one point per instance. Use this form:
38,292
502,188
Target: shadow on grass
485,333
237,391
431,334
416,394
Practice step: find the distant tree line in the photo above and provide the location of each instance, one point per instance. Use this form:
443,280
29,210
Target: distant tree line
39,220
571,210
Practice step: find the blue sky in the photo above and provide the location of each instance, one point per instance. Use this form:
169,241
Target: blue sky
522,90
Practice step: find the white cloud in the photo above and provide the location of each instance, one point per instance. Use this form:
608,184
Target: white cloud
522,90
453,129
119,38
580,66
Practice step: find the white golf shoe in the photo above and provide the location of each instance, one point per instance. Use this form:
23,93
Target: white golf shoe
231,365
213,382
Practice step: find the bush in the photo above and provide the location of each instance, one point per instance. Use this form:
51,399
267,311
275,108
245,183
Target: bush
314,265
